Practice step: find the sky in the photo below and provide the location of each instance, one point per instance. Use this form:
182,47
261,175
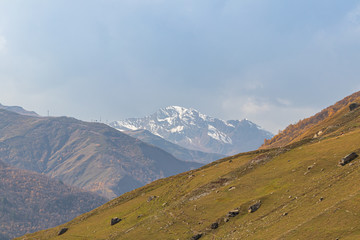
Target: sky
273,62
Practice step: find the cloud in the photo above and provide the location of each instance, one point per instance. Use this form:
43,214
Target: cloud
271,114
284,102
354,15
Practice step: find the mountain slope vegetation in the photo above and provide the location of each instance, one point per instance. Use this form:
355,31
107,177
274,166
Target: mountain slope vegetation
297,191
91,156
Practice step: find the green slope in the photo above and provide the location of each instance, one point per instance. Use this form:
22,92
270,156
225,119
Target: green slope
304,193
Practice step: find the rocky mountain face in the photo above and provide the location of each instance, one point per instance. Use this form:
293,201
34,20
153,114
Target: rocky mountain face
91,156
177,151
307,189
194,130
31,202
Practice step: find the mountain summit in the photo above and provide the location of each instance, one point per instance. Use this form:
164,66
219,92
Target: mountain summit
191,129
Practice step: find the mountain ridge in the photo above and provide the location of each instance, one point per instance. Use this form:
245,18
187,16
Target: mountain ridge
91,156
196,131
304,128
19,110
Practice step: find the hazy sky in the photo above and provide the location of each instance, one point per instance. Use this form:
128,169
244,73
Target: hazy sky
271,61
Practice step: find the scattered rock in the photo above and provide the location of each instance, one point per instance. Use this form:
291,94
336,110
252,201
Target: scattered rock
197,236
230,161
348,158
321,199
164,204
226,220
318,134
353,106
232,188
115,220
139,216
62,231
215,225
233,213
254,207
151,198
285,214
310,167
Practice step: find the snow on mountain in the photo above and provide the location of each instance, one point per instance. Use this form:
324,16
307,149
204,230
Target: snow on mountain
191,129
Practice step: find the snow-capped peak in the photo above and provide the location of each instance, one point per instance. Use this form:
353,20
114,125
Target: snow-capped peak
192,129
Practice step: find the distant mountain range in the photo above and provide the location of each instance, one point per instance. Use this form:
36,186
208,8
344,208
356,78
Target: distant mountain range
19,110
193,130
177,151
91,156
31,202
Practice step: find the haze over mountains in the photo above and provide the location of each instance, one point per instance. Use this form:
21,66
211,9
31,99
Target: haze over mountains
296,190
193,130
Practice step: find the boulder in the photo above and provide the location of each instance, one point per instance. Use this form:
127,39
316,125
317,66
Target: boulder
62,231
254,207
348,158
115,220
197,236
352,106
215,225
151,198
233,213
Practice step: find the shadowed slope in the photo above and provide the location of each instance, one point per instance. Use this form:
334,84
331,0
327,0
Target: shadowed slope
30,202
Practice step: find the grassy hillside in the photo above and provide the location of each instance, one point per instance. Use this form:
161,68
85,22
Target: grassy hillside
304,194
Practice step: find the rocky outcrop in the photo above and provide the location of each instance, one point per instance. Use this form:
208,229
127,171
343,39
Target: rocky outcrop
233,213
215,225
348,158
254,207
115,220
62,231
197,236
353,106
